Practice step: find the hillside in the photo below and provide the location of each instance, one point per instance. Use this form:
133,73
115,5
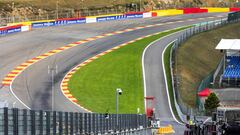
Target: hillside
197,57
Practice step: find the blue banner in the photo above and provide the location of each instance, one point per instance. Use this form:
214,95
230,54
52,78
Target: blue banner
10,30
118,17
13,30
43,24
65,22
110,18
131,16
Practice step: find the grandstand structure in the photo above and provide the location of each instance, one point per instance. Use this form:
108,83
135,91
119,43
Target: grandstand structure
231,66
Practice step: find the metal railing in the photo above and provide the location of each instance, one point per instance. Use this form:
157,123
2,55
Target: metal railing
22,122
198,28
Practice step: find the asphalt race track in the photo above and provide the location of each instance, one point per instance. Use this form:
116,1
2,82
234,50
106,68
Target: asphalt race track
33,86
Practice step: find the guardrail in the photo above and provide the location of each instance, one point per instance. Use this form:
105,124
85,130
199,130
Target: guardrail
21,121
93,19
198,28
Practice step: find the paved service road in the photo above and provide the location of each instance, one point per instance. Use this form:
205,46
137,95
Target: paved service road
33,86
155,82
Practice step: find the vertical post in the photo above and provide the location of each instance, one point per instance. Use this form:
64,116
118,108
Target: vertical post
48,123
41,122
117,105
25,125
140,5
60,130
93,123
71,123
97,123
52,71
66,123
15,121
80,123
33,127
85,126
5,113
54,122
89,123
57,9
76,123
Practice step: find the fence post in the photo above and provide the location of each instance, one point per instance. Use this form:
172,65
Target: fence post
71,123
60,123
76,123
97,123
89,123
41,122
47,123
66,123
93,123
80,123
85,125
5,113
33,129
25,125
54,122
15,121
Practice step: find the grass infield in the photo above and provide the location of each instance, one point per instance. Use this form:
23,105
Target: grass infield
94,85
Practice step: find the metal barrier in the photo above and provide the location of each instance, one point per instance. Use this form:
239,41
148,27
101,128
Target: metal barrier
198,28
21,121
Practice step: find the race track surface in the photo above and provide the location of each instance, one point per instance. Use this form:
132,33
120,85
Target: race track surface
33,86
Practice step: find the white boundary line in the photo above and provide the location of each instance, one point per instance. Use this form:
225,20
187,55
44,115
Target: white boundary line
166,83
11,89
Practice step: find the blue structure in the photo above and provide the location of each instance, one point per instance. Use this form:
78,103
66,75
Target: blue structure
232,70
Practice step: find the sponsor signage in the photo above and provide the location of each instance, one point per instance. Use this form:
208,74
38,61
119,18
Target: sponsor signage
9,30
110,18
70,21
42,24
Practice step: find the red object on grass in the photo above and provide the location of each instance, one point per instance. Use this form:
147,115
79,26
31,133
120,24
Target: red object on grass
205,92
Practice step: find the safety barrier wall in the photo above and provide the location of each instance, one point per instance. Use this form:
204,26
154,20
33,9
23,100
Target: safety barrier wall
93,19
14,29
193,10
168,12
212,10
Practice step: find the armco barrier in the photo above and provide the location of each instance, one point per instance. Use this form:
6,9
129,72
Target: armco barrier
110,18
65,21
194,10
10,29
94,19
234,9
168,12
212,10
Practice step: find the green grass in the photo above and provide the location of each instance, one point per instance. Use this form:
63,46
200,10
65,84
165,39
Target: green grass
94,85
197,57
166,57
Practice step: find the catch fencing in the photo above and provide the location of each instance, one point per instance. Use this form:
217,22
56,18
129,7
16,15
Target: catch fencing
22,122
198,28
